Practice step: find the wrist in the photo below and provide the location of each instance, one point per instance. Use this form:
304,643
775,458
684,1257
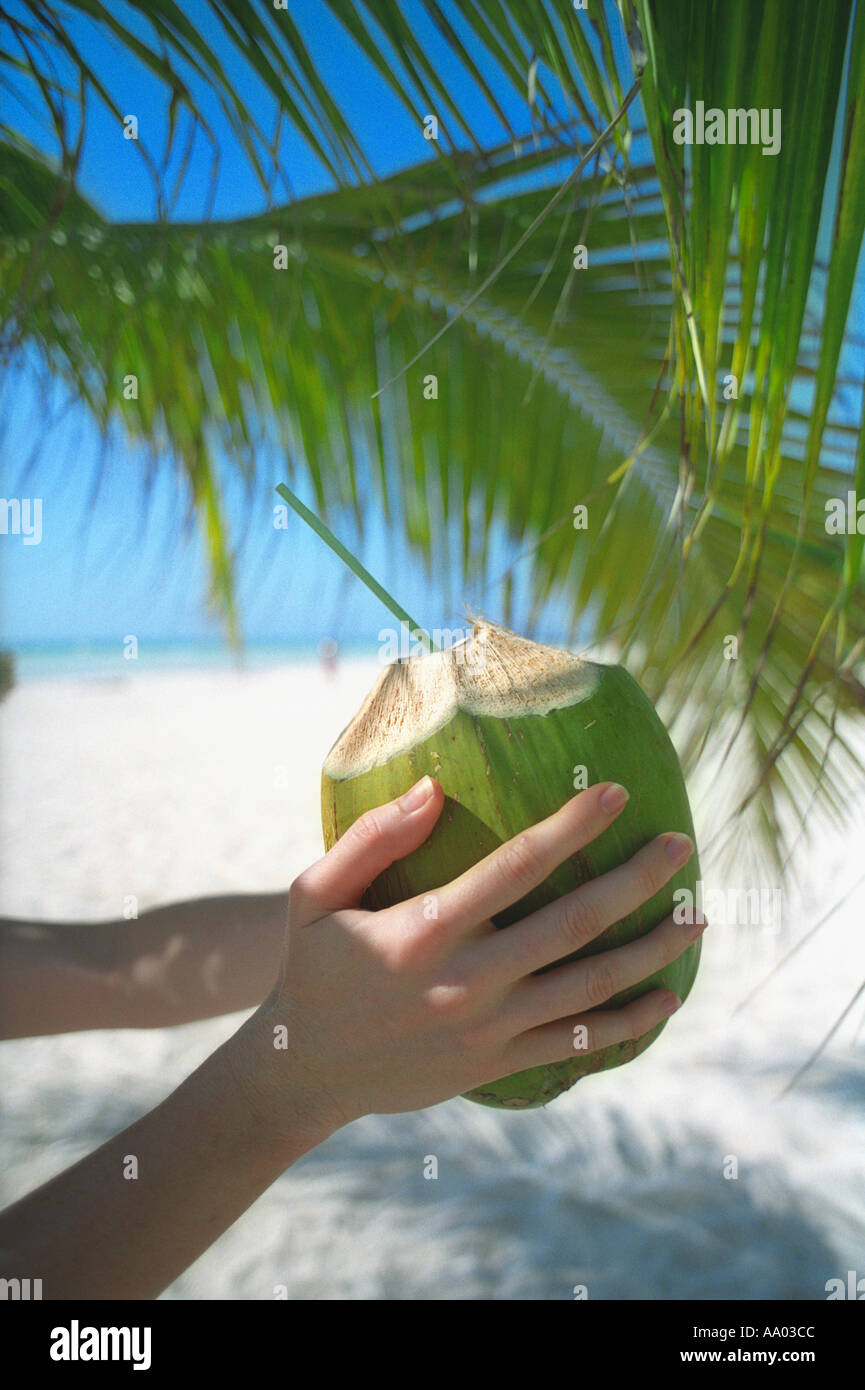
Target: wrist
288,1110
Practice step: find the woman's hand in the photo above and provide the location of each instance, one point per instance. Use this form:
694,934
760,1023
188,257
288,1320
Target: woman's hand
396,1010
372,1012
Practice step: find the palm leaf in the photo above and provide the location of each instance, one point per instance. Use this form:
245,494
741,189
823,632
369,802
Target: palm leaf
218,372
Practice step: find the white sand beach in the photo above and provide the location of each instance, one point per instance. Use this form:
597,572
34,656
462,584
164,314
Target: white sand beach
179,784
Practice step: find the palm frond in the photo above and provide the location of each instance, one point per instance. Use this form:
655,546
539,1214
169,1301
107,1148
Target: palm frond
544,389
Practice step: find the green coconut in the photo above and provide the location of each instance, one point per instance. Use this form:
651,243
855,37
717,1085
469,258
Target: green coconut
511,730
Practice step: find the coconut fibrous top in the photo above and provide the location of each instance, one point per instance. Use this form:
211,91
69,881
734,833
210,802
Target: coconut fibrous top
493,672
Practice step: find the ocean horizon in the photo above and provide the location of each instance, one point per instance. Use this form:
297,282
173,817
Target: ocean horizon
112,658
107,659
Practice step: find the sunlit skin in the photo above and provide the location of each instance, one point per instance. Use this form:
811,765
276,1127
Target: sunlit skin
371,1013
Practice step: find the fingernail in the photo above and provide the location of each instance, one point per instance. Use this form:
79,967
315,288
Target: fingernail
696,928
614,798
670,1005
417,796
679,848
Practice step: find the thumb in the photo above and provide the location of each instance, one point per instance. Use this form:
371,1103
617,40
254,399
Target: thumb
368,847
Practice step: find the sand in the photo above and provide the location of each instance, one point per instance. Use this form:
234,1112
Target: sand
171,785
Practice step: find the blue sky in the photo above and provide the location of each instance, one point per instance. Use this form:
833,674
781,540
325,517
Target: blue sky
110,563
114,560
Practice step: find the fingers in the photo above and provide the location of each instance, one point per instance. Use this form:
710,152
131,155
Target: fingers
585,1033
586,984
518,866
369,846
578,918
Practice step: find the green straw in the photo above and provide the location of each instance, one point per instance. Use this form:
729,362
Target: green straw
355,566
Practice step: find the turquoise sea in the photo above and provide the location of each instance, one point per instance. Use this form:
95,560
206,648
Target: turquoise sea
106,660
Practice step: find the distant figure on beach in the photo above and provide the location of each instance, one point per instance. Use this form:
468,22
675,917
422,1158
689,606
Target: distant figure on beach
328,651
364,1013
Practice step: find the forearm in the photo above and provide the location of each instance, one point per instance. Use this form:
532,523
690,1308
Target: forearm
129,1218
172,965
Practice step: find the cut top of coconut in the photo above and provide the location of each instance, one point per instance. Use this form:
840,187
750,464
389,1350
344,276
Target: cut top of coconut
493,672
